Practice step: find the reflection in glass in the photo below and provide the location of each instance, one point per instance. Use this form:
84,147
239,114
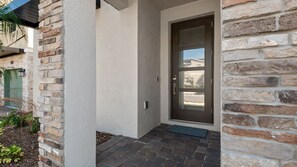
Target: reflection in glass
191,79
192,58
191,101
191,36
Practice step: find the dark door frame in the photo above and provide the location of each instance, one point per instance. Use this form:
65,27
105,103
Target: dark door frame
208,116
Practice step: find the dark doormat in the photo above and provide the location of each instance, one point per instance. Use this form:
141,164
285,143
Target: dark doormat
202,133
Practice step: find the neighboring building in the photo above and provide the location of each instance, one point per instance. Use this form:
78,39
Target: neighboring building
16,57
143,51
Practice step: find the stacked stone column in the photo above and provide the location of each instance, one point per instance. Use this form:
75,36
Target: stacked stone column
259,83
51,70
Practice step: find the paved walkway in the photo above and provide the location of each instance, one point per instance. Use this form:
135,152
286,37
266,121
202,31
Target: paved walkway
160,148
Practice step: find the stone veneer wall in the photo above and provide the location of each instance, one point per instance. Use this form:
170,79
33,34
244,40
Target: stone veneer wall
259,83
51,70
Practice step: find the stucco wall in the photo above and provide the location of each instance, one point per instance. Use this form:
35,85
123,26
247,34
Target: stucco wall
116,35
188,11
148,66
80,83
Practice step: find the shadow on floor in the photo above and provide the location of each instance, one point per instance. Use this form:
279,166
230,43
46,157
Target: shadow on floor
160,148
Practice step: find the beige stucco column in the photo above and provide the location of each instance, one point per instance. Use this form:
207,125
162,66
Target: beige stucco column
67,86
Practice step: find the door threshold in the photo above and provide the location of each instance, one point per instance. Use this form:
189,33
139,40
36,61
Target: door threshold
191,122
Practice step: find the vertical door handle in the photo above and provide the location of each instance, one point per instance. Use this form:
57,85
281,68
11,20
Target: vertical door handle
174,88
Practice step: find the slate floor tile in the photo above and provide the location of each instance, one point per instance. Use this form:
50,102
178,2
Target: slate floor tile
160,148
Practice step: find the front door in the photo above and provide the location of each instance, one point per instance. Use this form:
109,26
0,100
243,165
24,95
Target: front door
192,70
12,88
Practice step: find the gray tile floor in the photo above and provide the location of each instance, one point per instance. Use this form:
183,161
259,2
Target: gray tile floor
160,148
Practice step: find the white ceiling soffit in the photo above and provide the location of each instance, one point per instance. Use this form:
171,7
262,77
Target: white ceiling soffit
165,4
118,4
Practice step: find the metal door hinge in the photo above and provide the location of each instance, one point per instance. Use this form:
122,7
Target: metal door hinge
211,24
211,81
